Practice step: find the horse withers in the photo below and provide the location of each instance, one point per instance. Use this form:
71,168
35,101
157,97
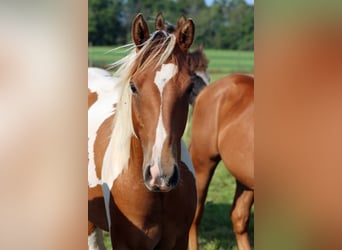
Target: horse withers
223,129
141,185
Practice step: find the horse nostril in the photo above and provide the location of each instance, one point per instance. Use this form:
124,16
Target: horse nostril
157,182
174,178
147,174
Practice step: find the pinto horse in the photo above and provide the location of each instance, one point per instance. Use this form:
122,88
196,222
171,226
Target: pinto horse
223,129
141,184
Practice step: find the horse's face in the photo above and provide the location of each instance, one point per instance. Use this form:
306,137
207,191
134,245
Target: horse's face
159,111
198,64
159,108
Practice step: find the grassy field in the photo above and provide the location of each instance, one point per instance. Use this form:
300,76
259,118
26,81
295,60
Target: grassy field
215,232
221,62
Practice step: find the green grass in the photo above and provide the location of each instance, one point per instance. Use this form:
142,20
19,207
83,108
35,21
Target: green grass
221,62
216,231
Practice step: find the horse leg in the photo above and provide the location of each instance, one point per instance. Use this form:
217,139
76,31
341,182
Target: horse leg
204,173
95,238
240,214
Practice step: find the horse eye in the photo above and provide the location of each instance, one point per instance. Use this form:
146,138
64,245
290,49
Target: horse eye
133,88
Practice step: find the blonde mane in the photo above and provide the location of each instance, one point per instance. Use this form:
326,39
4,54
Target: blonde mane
155,51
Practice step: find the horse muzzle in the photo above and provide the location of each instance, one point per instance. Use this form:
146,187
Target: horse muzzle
157,180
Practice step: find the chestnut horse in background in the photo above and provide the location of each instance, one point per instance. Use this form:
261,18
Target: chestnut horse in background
223,129
141,184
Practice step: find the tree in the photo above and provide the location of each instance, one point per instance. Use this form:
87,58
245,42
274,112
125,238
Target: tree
238,29
104,25
227,24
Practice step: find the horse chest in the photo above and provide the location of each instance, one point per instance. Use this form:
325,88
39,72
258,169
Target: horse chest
148,209
142,213
135,201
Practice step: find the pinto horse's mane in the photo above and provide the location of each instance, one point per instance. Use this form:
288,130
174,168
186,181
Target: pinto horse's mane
154,51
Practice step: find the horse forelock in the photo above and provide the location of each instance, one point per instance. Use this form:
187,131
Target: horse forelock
155,52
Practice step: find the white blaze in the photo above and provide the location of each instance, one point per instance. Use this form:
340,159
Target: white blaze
162,77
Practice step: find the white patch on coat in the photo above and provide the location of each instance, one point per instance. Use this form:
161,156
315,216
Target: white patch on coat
166,72
108,93
95,240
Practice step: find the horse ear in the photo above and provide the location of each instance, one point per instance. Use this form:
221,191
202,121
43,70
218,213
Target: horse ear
181,21
185,35
159,23
140,31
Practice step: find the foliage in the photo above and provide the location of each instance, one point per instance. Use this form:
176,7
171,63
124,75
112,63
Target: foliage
104,22
226,24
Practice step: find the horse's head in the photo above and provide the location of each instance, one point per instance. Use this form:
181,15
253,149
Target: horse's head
160,86
198,64
197,61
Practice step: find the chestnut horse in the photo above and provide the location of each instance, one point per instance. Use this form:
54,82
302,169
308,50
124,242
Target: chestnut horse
141,185
223,129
